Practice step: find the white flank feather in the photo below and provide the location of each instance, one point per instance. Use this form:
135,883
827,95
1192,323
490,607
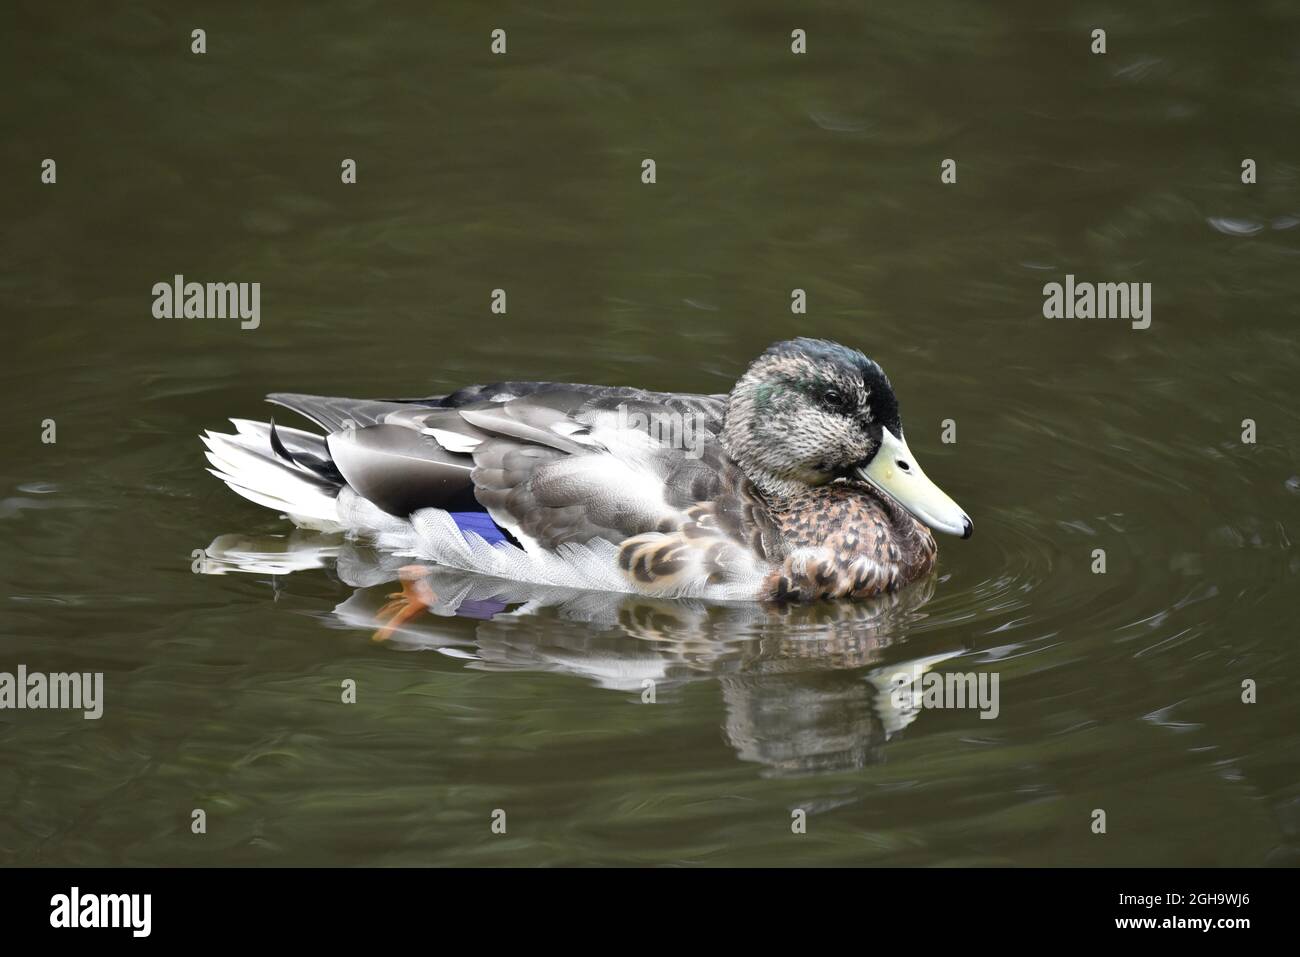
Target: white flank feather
432,534
247,463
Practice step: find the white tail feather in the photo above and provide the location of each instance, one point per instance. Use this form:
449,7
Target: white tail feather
247,463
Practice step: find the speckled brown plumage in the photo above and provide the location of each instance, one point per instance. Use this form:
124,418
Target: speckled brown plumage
843,541
732,528
840,540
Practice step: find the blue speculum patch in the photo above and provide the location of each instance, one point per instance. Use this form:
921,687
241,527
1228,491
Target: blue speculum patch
481,524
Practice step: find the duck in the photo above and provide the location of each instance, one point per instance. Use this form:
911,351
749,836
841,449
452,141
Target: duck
796,486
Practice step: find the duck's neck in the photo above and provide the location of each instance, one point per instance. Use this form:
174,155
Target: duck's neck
780,492
748,438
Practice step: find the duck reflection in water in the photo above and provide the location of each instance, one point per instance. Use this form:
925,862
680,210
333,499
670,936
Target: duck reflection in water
807,688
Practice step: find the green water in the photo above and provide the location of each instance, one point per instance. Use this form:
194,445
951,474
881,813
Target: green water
1119,691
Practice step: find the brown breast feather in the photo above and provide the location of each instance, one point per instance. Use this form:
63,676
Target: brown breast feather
842,541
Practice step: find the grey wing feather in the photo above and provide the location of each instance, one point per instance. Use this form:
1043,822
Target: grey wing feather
334,413
554,462
402,470
570,465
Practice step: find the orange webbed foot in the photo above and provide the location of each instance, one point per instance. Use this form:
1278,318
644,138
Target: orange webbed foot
415,598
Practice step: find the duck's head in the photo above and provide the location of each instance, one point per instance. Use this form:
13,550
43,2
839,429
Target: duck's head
809,411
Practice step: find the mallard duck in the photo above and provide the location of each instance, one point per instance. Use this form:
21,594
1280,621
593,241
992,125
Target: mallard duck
796,486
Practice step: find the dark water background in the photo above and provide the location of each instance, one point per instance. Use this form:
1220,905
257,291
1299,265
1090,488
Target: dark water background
1119,691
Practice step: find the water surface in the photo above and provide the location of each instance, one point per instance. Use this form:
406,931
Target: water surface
1119,691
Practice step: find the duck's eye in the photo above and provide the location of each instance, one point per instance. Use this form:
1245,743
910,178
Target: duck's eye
834,400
